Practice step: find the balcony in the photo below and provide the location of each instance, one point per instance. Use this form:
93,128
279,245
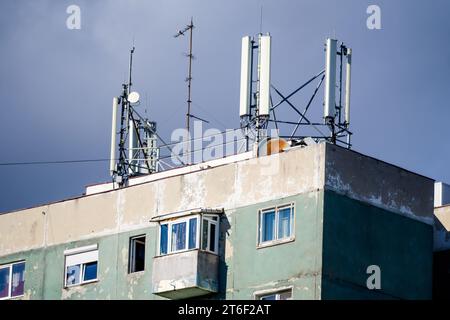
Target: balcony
185,274
187,264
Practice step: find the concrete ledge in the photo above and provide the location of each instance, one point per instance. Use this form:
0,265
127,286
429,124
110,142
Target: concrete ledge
186,274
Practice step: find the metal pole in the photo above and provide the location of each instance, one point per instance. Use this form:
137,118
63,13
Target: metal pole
189,100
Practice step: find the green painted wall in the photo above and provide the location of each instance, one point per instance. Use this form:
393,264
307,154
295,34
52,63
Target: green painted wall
245,270
297,263
44,271
357,235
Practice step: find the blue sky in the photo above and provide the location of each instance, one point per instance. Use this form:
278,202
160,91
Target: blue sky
57,84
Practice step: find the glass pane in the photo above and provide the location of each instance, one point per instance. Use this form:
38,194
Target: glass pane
192,233
178,236
4,282
18,279
268,229
285,295
269,297
212,237
73,275
164,238
90,271
284,223
205,234
138,254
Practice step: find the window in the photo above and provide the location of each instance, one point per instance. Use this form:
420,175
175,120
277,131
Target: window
277,295
137,254
187,233
276,224
81,265
178,235
12,280
210,233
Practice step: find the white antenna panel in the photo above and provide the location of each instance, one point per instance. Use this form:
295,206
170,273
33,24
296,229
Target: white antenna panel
112,158
348,83
246,70
264,75
330,79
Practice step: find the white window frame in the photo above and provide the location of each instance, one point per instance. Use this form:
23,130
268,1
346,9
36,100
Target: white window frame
264,293
10,266
92,249
209,218
132,250
275,241
199,233
169,224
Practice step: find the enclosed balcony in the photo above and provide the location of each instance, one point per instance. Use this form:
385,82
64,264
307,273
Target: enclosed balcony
188,263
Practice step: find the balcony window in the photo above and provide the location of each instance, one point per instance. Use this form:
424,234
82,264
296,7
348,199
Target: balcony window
187,233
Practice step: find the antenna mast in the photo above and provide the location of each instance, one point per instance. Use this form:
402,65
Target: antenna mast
143,152
189,28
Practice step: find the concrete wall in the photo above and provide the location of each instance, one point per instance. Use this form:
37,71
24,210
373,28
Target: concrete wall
442,228
250,269
357,235
44,273
379,183
229,186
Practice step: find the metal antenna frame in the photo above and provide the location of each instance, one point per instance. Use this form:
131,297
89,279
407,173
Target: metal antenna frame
190,28
132,122
338,128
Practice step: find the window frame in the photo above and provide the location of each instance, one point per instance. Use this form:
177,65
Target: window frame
260,224
258,295
78,251
132,252
10,266
169,224
209,217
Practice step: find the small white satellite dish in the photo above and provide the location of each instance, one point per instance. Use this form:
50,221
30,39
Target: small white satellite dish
133,97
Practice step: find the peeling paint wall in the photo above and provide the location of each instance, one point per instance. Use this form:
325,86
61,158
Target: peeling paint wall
229,186
379,183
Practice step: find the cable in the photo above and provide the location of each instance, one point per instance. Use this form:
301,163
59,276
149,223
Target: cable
51,162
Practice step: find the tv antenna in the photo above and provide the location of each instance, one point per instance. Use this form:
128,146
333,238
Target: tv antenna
189,28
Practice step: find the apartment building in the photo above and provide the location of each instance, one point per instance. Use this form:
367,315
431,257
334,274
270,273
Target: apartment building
311,222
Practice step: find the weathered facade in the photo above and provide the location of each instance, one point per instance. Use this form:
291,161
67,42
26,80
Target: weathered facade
306,223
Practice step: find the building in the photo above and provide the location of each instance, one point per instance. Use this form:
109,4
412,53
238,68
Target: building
307,223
